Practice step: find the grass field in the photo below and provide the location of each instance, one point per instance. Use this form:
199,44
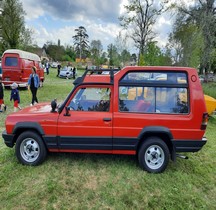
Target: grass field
88,181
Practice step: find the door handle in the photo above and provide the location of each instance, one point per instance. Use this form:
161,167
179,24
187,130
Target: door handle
106,119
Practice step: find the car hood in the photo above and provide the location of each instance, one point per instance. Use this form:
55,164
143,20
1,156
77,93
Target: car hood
36,109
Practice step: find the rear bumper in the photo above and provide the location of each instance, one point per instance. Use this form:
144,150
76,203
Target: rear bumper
189,145
8,139
9,83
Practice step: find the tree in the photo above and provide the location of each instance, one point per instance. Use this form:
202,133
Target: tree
96,51
186,43
113,55
141,16
125,57
203,15
122,49
70,53
54,51
12,24
81,45
25,39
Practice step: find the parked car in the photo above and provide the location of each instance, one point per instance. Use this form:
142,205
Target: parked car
66,72
54,64
201,78
124,113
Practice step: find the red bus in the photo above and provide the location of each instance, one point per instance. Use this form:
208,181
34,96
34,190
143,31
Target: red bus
16,67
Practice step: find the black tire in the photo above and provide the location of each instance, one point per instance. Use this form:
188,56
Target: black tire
153,155
30,148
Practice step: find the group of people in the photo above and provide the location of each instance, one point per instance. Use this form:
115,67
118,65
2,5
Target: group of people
33,85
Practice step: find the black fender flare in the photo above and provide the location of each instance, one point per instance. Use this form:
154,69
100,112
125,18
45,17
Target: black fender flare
158,130
28,125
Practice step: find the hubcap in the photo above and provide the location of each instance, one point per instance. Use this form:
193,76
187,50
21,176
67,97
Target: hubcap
154,157
29,150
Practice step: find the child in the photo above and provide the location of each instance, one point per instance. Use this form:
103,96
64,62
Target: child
2,106
15,96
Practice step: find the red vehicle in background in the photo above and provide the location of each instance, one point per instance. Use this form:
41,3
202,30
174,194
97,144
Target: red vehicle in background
16,67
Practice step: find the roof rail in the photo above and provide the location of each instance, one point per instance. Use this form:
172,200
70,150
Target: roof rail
79,80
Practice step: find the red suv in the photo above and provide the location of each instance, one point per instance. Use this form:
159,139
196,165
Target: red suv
151,112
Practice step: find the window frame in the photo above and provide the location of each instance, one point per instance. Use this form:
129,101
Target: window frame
155,85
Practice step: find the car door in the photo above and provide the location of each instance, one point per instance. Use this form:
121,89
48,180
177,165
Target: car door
88,125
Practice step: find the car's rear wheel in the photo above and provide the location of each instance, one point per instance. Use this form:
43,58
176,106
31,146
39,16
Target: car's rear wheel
30,148
153,155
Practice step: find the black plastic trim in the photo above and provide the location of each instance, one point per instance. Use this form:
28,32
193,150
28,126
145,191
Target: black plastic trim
188,145
29,125
8,138
89,143
156,130
51,142
125,143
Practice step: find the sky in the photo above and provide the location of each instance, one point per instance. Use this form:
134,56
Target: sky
51,20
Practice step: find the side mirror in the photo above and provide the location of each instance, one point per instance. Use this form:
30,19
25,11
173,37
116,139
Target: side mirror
67,109
53,105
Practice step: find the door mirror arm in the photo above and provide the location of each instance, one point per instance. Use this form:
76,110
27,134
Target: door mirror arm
67,109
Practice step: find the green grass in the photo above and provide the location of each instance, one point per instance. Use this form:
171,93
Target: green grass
88,181
210,89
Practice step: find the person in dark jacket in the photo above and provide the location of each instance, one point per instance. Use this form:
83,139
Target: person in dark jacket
15,96
2,105
33,85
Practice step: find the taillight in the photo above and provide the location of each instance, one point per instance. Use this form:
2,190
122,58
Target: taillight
204,121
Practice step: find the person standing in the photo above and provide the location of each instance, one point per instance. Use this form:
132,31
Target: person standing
2,106
47,67
15,96
74,72
58,69
33,85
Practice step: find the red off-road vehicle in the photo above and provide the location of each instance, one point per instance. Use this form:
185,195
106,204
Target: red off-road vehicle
151,112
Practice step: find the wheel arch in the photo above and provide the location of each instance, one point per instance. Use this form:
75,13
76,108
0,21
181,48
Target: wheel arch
158,131
21,127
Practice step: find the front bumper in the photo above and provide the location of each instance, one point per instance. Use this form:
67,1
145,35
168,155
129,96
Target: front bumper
8,139
189,145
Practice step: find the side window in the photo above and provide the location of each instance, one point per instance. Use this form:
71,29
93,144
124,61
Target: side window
137,99
91,99
172,100
11,61
153,99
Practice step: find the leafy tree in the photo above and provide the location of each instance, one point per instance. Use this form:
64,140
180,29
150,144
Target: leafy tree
155,57
122,49
113,55
203,15
25,39
81,45
69,51
141,60
54,51
96,50
125,57
12,24
140,16
103,58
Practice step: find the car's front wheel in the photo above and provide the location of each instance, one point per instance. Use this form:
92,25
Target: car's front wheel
153,155
30,148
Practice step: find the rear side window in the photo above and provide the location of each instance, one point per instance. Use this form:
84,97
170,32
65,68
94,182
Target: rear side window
11,61
157,92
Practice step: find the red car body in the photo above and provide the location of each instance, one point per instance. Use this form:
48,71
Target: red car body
117,130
